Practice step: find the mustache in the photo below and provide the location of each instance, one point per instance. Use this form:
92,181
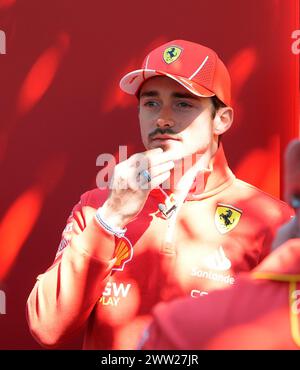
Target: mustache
161,131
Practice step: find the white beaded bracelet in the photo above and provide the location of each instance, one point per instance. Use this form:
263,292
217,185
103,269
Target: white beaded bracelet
110,229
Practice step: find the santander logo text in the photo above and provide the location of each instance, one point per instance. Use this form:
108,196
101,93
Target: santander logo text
216,263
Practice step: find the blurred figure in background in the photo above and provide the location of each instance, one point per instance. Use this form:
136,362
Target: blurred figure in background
262,310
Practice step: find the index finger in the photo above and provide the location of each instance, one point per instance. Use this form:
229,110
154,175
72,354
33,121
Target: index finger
150,158
157,158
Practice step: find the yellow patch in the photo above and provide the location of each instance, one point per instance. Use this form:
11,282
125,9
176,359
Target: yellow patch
295,311
227,218
171,54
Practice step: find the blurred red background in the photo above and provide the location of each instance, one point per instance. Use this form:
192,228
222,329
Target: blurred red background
60,107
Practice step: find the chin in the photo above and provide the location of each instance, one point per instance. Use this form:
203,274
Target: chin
176,153
175,147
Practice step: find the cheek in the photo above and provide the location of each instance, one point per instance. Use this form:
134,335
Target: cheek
199,134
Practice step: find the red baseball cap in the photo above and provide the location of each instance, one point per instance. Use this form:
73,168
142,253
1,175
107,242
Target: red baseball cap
194,66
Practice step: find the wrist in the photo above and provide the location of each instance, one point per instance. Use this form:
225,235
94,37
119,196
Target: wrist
108,227
112,216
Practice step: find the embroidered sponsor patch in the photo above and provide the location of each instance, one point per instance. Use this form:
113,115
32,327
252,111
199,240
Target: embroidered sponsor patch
62,245
124,253
66,237
171,54
226,217
218,260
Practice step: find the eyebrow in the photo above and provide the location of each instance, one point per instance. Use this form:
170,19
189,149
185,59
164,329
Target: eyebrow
154,93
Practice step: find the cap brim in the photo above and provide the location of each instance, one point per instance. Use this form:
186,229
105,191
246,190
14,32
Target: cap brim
132,82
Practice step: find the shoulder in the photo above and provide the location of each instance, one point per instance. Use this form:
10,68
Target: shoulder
258,193
262,201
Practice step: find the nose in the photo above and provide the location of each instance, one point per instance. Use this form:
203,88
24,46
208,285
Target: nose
165,121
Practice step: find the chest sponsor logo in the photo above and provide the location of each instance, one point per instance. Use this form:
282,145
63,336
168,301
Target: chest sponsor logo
216,263
195,293
113,292
123,253
226,217
65,239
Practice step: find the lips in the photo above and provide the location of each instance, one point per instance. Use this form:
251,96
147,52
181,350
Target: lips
165,137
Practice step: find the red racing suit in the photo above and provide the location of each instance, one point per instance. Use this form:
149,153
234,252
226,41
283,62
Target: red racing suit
110,285
261,311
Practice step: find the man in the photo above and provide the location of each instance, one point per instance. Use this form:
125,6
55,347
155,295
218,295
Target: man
190,225
262,310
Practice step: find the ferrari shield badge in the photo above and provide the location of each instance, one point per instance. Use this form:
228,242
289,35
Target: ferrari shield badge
226,217
171,54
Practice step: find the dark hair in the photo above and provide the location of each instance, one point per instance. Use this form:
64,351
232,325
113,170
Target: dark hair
217,103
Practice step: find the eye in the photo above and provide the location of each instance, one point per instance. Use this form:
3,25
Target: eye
150,104
184,104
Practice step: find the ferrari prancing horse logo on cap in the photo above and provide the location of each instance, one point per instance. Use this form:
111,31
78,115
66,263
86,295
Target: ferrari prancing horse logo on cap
227,217
171,54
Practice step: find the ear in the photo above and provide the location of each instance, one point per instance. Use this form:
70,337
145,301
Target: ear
223,120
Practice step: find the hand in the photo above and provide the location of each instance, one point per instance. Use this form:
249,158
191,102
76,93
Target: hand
130,190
